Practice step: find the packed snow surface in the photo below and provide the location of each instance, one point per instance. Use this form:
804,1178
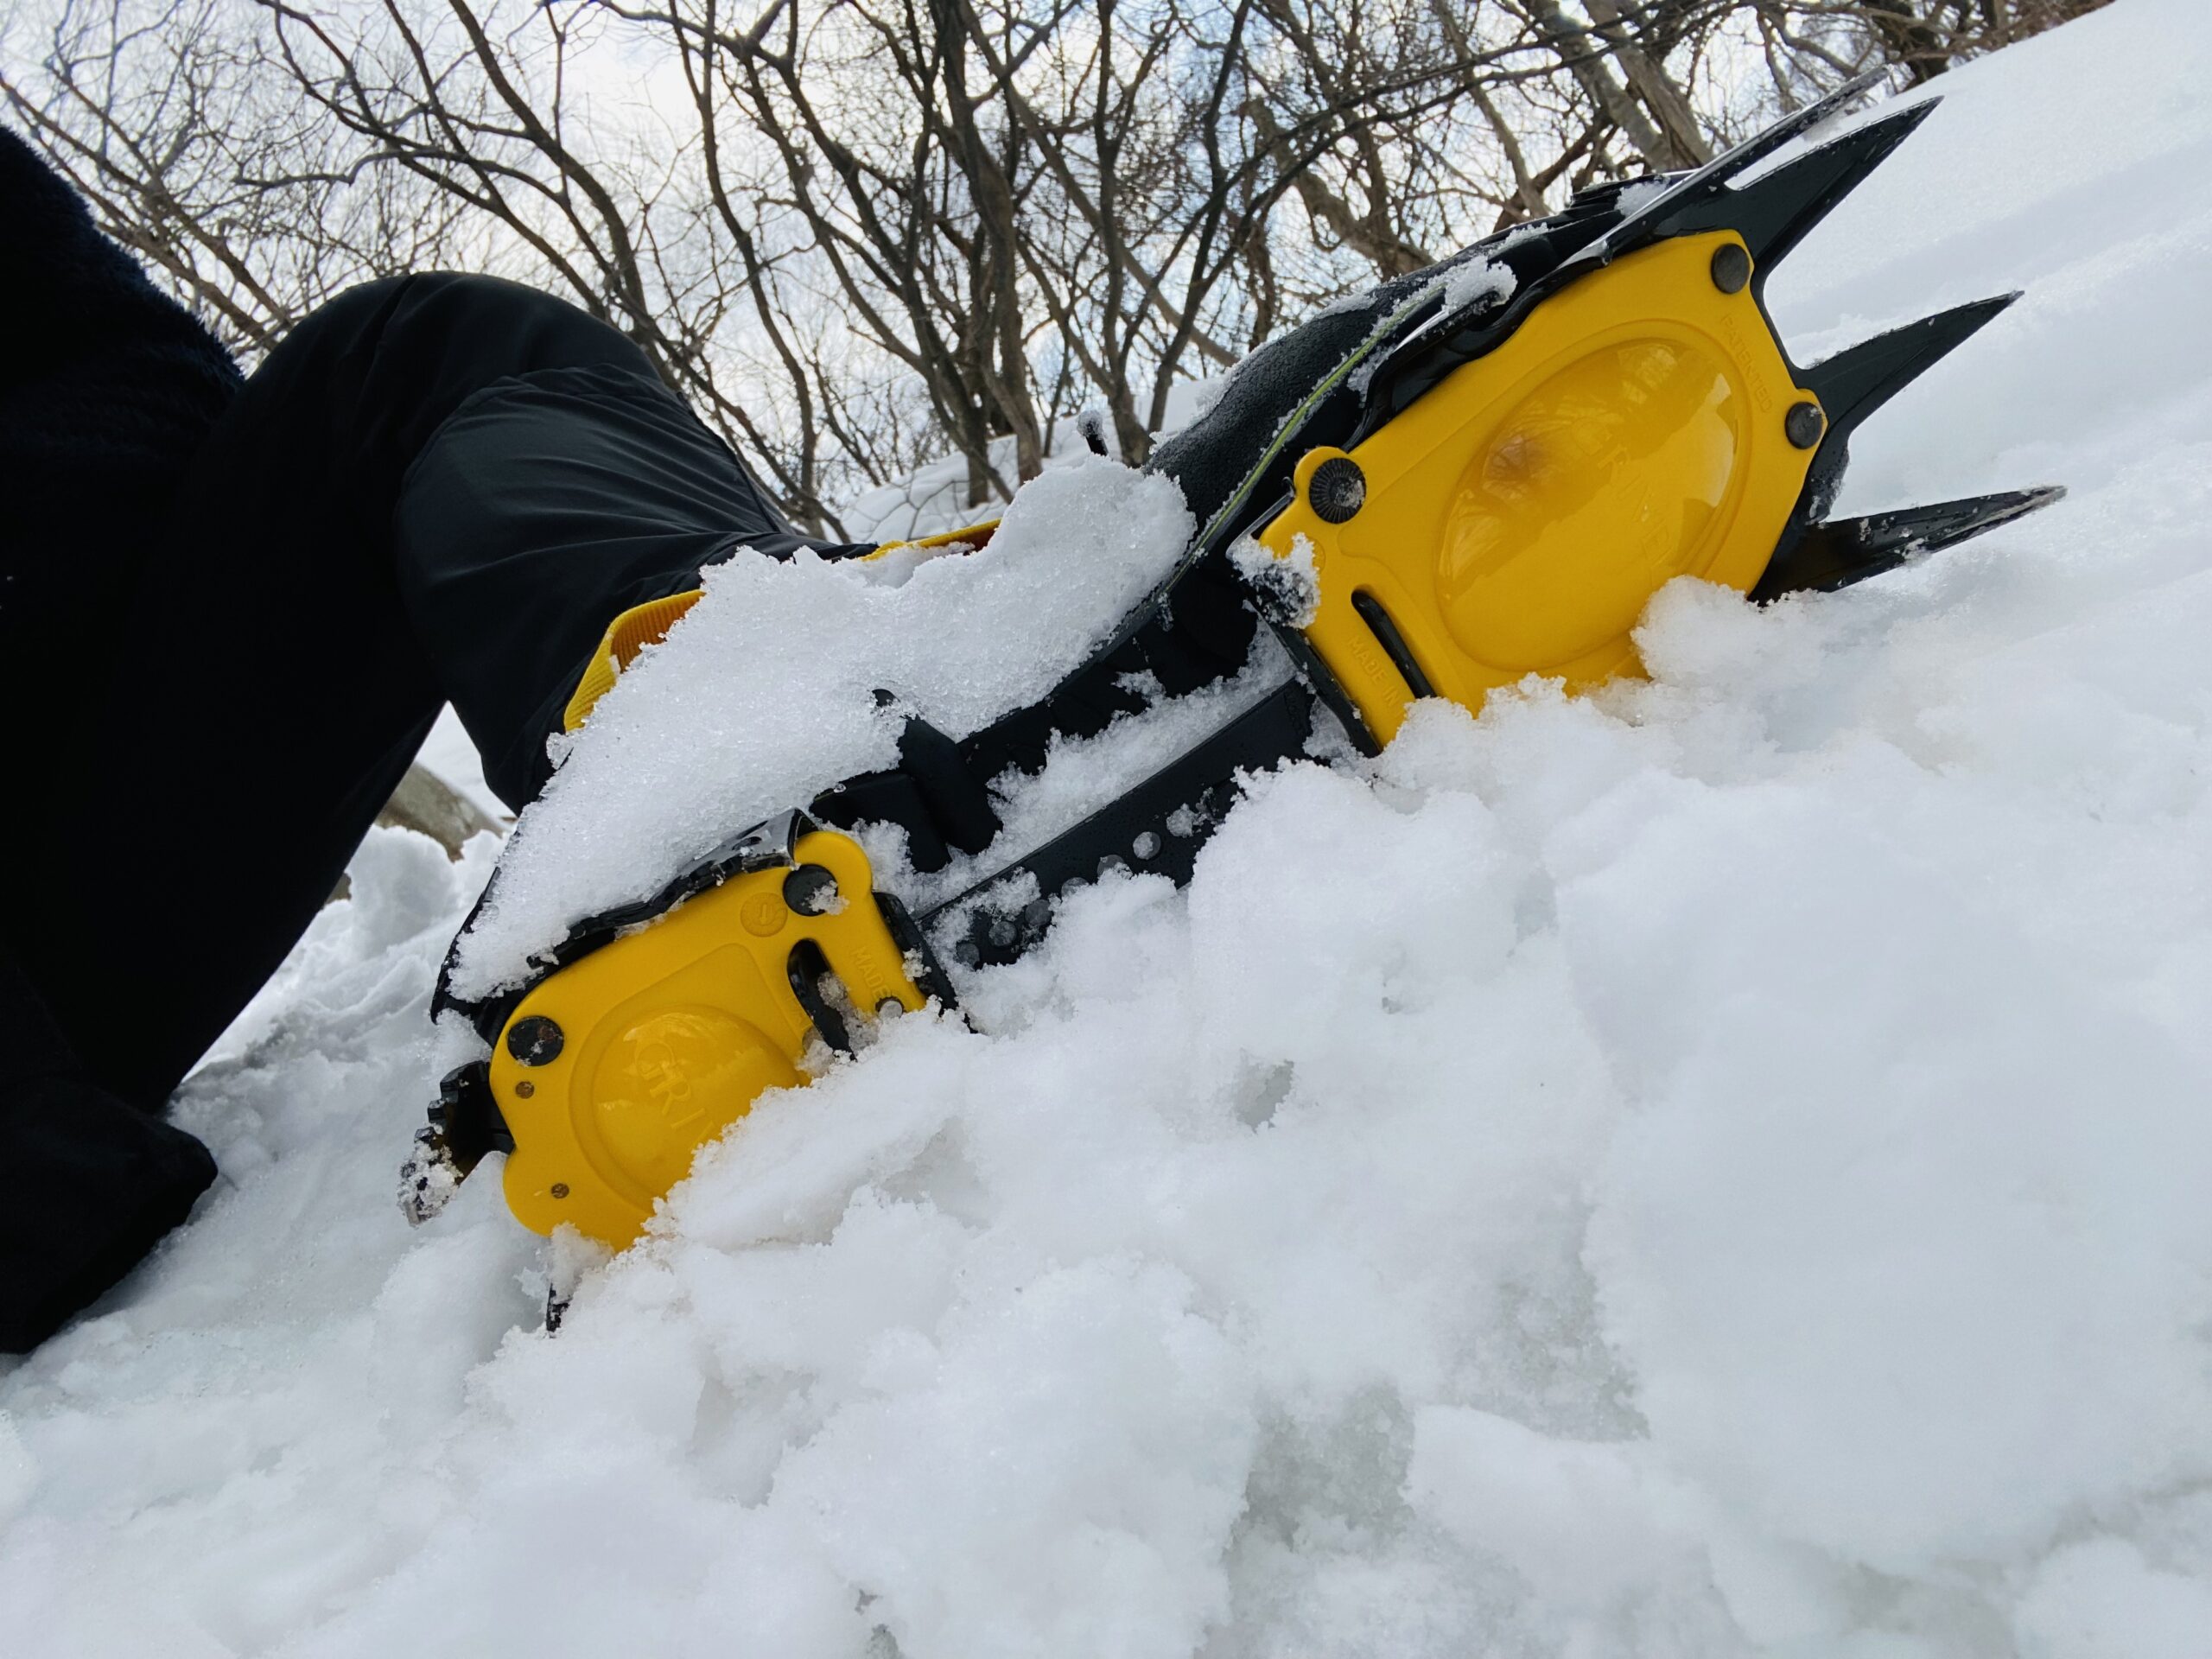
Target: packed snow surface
1718,1169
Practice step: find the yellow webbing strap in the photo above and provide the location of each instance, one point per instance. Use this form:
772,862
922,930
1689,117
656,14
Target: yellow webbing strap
973,535
648,625
628,634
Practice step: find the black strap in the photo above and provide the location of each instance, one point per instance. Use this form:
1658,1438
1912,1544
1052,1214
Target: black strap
1158,826
939,792
931,794
1196,632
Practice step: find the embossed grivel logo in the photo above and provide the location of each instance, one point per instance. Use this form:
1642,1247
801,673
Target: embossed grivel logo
666,1082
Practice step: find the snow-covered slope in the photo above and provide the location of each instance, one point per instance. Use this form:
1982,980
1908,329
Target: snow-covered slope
1722,1169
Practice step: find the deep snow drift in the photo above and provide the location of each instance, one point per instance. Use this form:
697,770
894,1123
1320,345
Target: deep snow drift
1719,1169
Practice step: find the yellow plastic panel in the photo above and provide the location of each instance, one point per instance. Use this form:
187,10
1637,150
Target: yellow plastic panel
670,1034
971,536
626,635
1519,516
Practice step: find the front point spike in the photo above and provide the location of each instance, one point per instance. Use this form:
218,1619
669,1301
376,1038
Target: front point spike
1825,557
1776,211
1860,379
1686,192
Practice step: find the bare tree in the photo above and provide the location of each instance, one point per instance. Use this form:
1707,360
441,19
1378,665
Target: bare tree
174,123
1921,38
857,233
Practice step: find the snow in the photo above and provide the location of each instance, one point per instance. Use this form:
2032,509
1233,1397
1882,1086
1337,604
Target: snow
764,693
1288,585
1476,283
1717,1169
933,499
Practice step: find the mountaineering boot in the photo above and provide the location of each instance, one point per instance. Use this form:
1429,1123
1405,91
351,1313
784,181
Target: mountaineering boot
1473,475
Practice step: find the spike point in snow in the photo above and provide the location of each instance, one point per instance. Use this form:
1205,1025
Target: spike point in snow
1860,379
1775,212
1772,214
1831,556
1690,190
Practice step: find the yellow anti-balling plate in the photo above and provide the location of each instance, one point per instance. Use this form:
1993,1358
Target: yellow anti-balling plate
1519,516
668,1035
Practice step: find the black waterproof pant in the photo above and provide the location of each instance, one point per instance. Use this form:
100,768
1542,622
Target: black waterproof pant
438,488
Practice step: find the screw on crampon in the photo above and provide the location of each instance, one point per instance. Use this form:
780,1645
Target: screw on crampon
1732,268
1337,489
536,1040
810,890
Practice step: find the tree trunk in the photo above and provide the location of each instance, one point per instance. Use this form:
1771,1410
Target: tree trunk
1669,103
1585,61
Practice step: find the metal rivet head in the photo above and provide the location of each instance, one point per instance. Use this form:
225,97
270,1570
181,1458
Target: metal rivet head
810,890
1337,490
890,1008
1731,267
560,1189
535,1041
525,1089
1803,424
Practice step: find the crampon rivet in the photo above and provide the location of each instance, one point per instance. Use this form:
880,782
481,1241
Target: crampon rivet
1803,424
889,1008
536,1040
1731,267
1337,490
560,1189
810,890
525,1089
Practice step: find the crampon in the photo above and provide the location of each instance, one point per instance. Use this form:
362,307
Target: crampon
1481,472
